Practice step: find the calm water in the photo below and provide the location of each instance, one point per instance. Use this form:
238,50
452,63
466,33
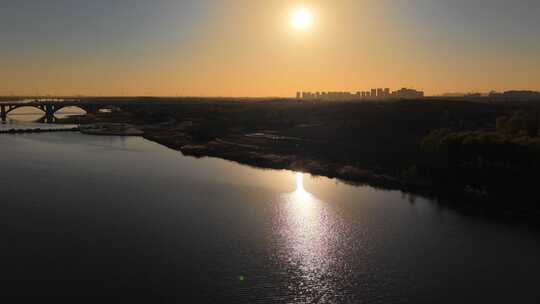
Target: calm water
101,216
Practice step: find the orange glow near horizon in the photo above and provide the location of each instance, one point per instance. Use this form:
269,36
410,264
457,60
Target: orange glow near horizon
275,48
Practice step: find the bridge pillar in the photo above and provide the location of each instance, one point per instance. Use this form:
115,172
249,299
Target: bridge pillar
90,109
3,112
49,110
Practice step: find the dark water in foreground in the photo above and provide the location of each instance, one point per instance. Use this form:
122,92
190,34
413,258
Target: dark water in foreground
102,216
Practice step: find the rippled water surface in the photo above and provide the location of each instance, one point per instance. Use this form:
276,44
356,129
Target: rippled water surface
97,216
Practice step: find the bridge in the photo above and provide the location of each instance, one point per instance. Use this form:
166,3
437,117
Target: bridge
50,107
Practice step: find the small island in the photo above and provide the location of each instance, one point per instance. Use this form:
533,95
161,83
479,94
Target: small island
111,129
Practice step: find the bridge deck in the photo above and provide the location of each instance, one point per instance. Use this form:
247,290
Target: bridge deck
50,107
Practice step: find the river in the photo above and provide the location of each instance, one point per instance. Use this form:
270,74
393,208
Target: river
112,216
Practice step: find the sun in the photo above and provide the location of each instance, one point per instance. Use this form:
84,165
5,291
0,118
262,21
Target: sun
302,18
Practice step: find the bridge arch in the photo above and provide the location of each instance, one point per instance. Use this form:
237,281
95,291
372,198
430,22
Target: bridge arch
17,107
63,108
24,113
52,109
46,112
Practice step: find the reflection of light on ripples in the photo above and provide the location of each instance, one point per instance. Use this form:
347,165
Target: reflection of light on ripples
300,183
312,236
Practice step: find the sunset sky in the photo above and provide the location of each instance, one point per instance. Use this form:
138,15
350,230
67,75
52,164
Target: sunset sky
252,48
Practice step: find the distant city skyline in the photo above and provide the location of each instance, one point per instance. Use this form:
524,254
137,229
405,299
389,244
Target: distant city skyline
380,93
254,49
377,94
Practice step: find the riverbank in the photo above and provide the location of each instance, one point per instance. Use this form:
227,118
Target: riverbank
38,130
378,144
234,148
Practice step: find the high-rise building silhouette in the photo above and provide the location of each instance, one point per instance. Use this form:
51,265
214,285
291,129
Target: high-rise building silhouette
373,94
405,93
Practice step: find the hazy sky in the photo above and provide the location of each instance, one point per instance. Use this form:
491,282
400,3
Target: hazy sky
248,47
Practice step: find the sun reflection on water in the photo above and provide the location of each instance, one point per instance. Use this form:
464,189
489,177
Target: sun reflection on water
300,195
311,234
300,182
